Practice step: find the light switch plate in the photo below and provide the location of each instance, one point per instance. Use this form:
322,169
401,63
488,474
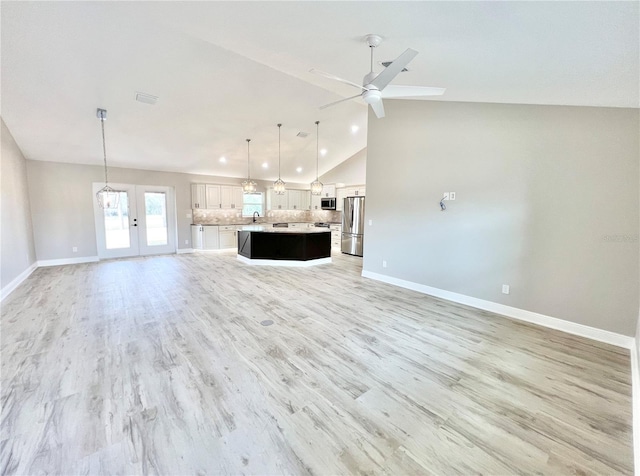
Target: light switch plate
505,289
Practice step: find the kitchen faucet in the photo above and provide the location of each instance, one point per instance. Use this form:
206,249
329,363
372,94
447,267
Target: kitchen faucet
254,216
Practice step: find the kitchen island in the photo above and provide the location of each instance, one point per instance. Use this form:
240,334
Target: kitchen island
284,247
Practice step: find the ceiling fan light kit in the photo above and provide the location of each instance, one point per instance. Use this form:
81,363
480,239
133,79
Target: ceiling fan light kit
107,197
375,86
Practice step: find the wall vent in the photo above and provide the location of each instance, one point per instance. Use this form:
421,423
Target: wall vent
146,98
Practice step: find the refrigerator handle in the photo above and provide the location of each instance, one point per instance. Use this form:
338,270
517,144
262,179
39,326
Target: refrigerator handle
352,208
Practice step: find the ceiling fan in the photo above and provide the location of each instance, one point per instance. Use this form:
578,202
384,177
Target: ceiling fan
375,86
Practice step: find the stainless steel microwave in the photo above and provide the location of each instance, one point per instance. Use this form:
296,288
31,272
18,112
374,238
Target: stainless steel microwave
328,203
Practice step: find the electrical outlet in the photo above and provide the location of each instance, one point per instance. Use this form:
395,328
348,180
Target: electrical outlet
452,195
370,222
505,289
74,249
384,263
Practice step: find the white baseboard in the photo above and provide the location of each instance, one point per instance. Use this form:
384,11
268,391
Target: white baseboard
284,262
9,288
181,251
513,312
59,262
635,400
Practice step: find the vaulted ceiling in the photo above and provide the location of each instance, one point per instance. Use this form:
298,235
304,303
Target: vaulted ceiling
227,71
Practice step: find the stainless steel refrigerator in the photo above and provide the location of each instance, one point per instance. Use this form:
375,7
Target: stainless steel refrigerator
353,225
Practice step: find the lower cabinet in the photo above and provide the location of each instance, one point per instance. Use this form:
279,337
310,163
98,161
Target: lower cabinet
197,237
211,238
336,236
228,237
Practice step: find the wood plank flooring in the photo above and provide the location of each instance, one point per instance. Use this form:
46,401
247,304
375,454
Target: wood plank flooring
160,366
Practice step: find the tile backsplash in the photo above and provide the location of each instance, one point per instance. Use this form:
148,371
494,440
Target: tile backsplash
234,217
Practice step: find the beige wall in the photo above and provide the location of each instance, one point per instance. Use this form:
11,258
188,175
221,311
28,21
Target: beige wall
16,234
350,172
547,202
62,203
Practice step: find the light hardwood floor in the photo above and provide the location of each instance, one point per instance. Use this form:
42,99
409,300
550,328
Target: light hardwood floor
160,365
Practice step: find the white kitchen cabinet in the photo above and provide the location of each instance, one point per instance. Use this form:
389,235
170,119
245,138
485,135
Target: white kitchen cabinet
228,237
315,202
336,236
198,195
297,200
328,190
350,191
231,197
237,197
298,226
210,241
305,200
277,202
197,237
213,196
341,193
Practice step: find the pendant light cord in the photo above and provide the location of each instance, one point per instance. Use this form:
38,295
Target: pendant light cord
248,161
104,151
279,126
317,146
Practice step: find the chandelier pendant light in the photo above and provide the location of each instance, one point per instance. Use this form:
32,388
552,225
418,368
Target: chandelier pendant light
316,185
108,198
248,186
279,187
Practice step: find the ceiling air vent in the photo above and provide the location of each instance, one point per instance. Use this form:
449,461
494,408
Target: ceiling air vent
302,135
146,98
387,63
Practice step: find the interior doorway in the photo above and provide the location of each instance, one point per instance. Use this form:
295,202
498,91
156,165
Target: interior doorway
143,224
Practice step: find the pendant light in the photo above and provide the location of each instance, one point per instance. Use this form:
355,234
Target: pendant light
248,186
279,185
108,198
316,185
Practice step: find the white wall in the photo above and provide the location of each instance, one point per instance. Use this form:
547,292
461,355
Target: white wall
352,171
547,202
16,235
62,203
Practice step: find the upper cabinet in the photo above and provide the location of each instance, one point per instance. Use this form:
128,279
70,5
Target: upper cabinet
216,197
277,202
298,200
231,196
328,191
213,196
198,195
315,202
290,200
351,191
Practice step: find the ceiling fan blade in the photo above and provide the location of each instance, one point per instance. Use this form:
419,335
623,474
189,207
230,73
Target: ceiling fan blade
394,69
336,78
393,91
378,109
338,102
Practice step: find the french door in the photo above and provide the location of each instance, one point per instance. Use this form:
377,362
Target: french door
143,224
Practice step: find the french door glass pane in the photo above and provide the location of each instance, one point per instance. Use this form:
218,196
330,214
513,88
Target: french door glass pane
116,224
155,206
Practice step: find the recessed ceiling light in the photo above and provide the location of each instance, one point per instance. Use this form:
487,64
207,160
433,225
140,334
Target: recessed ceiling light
323,152
354,129
265,166
299,169
223,160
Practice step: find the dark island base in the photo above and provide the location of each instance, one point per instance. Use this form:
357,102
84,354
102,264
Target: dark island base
289,247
